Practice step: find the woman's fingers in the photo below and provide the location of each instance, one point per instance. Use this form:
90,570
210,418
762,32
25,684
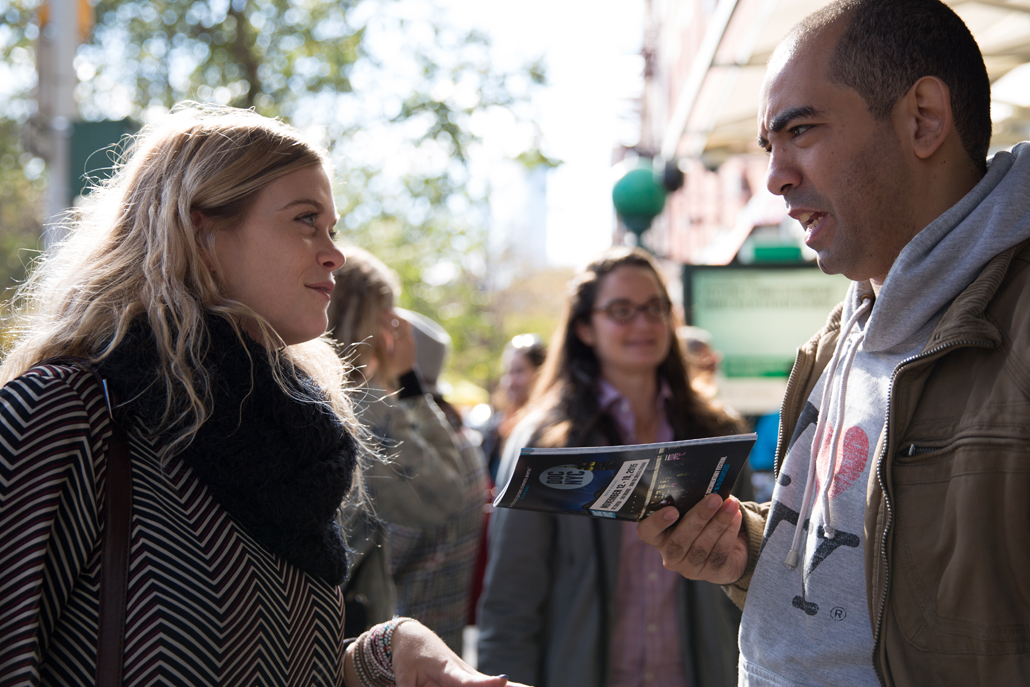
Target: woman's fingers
421,659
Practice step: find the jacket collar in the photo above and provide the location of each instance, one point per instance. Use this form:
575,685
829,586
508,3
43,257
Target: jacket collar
964,320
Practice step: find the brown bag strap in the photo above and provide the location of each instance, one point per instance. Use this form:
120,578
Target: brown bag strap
114,545
114,566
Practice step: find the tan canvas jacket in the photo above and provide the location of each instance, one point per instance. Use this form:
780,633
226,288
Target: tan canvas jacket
947,525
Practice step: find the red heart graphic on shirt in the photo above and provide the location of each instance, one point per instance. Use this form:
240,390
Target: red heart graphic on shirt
852,456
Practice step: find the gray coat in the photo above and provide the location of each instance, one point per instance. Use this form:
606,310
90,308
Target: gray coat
422,486
540,616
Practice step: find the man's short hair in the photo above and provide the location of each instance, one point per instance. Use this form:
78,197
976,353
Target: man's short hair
888,45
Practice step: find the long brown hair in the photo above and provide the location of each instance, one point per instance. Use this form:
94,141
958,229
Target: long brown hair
566,389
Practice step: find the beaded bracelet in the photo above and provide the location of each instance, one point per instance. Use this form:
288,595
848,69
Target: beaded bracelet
373,655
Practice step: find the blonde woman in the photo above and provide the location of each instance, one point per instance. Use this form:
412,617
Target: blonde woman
186,309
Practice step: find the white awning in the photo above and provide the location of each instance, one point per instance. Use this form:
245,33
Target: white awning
717,106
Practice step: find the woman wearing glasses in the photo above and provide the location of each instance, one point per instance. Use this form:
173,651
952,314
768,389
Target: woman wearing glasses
581,602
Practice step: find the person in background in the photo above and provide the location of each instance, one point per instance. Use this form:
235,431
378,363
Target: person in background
575,601
181,321
703,364
424,485
894,550
433,566
702,359
521,362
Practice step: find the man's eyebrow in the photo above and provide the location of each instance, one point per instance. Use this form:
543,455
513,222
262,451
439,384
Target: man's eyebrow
784,118
780,121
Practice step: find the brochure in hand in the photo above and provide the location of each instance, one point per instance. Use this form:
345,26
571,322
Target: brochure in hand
625,482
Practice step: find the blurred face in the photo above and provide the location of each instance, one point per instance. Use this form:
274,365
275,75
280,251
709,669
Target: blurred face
841,172
636,346
519,379
702,358
280,260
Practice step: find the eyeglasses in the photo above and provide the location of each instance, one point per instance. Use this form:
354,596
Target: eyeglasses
623,311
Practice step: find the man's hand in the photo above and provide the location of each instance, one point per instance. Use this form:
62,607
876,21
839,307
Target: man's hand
706,544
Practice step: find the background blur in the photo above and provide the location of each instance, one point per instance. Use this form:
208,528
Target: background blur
477,144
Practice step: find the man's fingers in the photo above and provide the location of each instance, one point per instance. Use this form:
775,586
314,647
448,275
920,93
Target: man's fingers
652,528
703,544
720,558
699,538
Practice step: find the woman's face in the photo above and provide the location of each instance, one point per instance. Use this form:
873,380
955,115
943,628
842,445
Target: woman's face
634,347
519,379
280,260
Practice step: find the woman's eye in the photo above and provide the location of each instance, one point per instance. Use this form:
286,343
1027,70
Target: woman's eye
308,219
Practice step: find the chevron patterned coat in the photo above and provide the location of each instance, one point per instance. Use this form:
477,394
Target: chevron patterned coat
207,604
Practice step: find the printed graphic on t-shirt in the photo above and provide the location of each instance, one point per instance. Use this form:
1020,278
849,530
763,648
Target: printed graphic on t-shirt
852,457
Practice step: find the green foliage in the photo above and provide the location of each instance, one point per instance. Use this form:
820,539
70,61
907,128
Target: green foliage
21,193
455,291
265,54
392,89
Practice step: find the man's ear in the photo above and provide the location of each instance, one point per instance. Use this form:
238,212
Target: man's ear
585,332
927,111
202,232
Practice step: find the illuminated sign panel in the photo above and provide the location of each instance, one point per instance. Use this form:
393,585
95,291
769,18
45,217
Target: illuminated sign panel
758,316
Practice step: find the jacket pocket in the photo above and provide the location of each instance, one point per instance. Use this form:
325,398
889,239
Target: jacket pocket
960,559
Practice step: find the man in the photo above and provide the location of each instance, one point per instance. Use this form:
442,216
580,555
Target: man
896,548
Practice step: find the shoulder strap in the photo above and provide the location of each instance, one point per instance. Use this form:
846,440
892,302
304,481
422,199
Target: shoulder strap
114,564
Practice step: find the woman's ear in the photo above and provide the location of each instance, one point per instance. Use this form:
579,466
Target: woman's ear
202,232
585,332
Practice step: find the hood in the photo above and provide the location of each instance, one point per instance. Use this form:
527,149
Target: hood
949,253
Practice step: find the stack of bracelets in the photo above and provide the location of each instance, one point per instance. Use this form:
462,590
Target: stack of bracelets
373,655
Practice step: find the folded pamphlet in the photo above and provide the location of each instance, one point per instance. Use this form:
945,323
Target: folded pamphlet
625,482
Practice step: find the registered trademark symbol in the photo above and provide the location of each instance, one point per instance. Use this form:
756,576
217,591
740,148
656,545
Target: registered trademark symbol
838,613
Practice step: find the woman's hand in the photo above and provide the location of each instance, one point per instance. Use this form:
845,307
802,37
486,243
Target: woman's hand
421,659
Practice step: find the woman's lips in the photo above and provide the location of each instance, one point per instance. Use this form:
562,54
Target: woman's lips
326,289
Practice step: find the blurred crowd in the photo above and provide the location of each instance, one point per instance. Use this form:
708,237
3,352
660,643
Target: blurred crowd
541,590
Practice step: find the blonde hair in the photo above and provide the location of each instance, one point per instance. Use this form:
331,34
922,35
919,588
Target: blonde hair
365,289
133,251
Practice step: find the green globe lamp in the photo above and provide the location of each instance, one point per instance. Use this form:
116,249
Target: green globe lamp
639,197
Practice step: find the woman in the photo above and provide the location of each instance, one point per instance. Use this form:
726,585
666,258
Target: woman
581,602
521,362
195,285
430,496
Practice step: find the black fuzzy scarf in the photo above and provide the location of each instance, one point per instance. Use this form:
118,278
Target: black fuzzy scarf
279,466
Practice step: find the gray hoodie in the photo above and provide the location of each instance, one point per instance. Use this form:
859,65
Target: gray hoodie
806,620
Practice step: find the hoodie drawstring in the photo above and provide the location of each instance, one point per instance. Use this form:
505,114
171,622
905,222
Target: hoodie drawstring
817,442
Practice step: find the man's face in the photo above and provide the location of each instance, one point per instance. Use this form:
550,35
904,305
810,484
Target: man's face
840,171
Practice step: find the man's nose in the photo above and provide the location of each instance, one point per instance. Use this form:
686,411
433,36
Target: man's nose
783,173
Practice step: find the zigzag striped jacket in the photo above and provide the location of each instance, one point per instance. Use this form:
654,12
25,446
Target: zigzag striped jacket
207,604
